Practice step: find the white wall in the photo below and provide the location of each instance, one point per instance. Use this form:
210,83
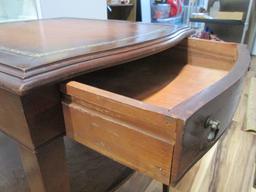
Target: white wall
94,9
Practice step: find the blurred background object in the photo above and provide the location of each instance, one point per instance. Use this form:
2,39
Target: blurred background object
163,11
14,10
122,9
230,19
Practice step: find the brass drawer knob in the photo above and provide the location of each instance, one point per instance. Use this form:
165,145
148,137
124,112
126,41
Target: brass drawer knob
214,127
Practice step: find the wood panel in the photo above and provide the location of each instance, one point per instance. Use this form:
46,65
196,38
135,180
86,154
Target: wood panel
88,170
15,127
205,53
194,143
212,54
229,165
151,120
217,102
45,53
39,165
213,172
161,80
169,103
38,117
12,176
139,145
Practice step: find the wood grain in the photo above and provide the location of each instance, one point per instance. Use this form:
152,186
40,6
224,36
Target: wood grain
45,167
35,121
30,74
120,140
44,53
47,51
230,163
152,79
195,111
166,107
88,171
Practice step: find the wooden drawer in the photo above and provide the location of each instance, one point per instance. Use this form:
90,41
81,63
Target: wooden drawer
160,114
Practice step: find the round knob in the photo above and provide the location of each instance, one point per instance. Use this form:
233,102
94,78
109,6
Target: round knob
214,127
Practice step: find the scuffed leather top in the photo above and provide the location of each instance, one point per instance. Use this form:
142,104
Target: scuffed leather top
31,49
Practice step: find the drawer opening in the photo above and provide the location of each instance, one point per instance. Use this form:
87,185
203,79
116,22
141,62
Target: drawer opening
165,79
139,130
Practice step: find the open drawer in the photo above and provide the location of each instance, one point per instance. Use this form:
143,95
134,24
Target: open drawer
160,114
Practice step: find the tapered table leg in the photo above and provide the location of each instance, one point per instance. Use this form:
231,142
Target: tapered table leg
45,167
166,188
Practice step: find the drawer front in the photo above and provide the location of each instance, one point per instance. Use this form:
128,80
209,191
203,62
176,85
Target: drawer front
127,132
198,135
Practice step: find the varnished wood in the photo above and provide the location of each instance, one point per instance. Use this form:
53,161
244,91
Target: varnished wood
166,188
194,143
32,113
47,51
84,166
228,166
118,133
208,174
213,55
44,167
151,80
216,95
16,127
35,121
12,175
166,85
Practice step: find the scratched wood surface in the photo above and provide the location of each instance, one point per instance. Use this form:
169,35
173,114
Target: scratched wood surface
158,100
230,164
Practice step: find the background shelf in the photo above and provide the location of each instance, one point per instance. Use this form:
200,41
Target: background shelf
121,5
217,21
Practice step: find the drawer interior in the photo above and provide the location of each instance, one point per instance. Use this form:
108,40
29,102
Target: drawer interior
143,135
165,79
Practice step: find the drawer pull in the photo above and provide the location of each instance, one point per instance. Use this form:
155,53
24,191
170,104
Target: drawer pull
214,127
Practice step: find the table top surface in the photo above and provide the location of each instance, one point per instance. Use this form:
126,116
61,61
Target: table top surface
61,38
30,48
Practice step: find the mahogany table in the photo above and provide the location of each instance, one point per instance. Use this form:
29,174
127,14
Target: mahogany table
39,58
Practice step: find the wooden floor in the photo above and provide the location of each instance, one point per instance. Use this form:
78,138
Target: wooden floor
230,165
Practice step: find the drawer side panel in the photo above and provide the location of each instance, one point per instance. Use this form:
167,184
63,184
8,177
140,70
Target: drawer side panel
119,140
